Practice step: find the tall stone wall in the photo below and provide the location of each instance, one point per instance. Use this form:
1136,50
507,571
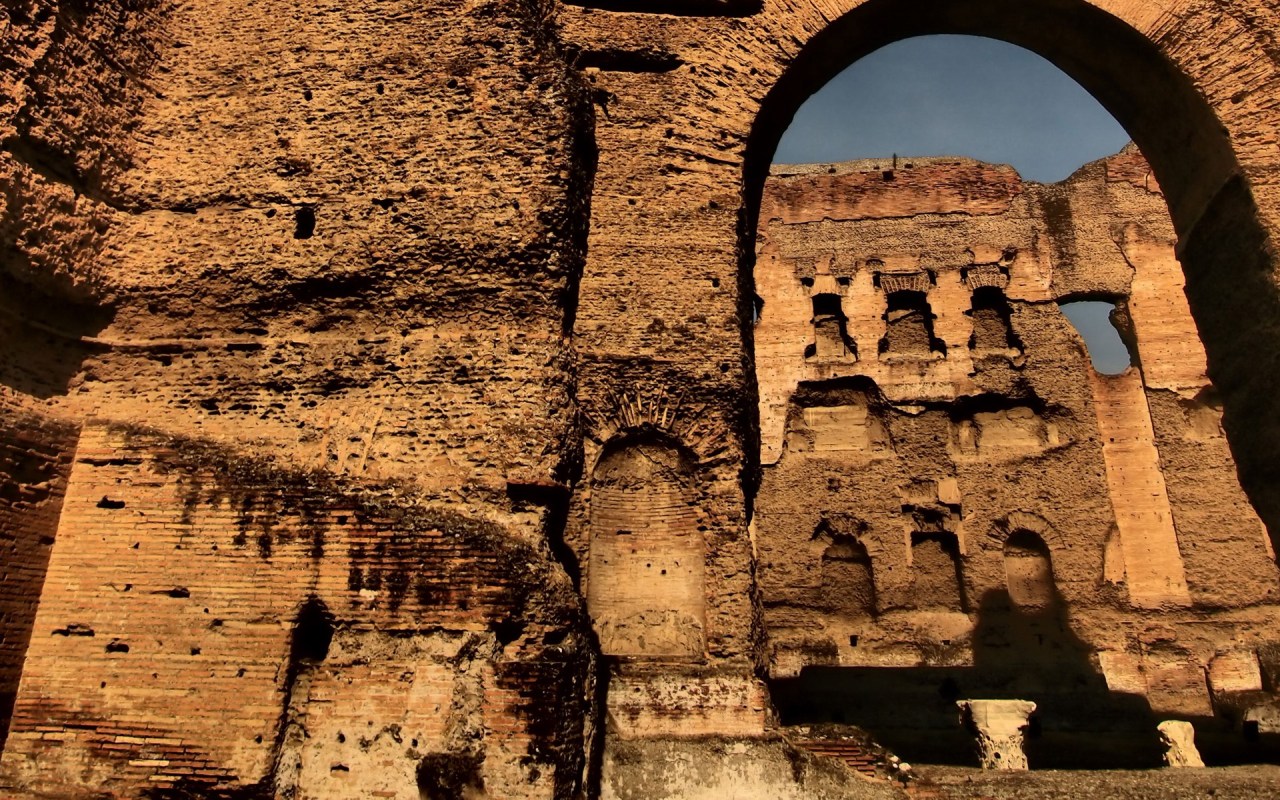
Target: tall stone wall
304,278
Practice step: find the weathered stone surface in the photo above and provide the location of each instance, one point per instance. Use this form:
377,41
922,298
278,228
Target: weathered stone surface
344,326
1000,469
312,316
1179,739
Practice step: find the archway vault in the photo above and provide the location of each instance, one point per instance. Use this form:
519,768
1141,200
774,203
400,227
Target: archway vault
1140,66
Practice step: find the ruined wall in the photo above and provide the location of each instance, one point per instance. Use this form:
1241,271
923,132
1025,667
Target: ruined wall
960,447
692,98
167,649
350,277
341,251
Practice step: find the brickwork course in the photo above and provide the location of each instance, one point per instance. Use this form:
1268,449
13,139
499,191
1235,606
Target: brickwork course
446,400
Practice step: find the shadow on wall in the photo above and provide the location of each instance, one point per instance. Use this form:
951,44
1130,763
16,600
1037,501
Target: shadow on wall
1020,651
44,339
313,631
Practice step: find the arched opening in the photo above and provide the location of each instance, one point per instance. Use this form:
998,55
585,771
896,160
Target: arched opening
312,635
1107,332
1157,104
1210,201
1017,634
450,776
646,563
949,95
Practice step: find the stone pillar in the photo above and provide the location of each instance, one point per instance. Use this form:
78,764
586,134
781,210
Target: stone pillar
1179,740
1154,572
999,725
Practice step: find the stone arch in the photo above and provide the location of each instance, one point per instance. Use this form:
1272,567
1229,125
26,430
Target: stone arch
1015,521
1146,85
1172,80
1029,547
646,560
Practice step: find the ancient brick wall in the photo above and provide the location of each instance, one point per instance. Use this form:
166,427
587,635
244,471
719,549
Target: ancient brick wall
360,268
342,251
162,652
179,274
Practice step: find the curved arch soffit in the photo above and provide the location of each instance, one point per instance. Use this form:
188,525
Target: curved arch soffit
684,460
1027,521
1155,101
845,529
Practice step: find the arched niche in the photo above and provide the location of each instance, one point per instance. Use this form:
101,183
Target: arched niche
645,587
1152,81
847,580
990,315
937,582
1028,571
908,322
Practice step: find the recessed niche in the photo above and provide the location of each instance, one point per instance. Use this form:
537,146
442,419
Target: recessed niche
992,327
830,335
645,589
936,579
909,327
848,586
1028,570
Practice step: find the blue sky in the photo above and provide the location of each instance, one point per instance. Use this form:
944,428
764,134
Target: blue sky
965,96
954,95
1107,350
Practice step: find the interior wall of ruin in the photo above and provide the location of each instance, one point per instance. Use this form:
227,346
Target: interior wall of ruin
934,462
166,652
